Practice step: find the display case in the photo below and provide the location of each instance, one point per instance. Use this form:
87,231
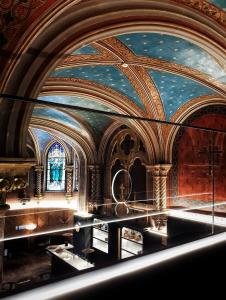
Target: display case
100,235
131,242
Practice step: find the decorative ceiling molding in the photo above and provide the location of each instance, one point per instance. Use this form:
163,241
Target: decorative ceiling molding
140,80
155,64
118,54
85,130
107,96
189,107
70,136
114,102
186,111
37,146
72,26
24,14
153,15
206,8
125,55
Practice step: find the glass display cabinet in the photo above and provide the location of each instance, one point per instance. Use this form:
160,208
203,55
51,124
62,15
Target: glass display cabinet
100,235
131,242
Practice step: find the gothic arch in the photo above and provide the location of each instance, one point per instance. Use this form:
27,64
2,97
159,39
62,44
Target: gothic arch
183,115
74,27
46,156
81,147
115,153
74,139
150,140
37,148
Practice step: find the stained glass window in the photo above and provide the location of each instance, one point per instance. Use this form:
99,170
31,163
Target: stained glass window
56,168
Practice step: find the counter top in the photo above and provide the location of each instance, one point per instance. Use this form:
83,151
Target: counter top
71,258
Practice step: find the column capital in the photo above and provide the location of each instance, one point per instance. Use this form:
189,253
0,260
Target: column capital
154,169
39,168
95,167
164,169
159,169
91,167
69,168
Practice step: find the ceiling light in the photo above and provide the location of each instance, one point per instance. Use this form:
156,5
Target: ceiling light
125,65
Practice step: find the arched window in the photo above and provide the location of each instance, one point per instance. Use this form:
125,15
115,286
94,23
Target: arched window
55,168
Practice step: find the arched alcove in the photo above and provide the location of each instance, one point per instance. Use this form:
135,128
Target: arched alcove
138,175
199,172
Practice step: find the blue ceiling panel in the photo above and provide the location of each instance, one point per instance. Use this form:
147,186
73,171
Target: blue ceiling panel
176,90
98,122
86,50
219,3
172,49
43,138
57,116
76,101
108,76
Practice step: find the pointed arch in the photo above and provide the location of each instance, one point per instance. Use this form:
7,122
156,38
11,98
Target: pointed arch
55,167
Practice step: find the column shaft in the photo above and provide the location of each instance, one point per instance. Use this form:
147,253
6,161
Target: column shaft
69,181
164,169
38,181
159,173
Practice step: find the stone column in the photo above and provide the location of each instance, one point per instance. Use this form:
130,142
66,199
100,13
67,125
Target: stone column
90,204
155,169
69,181
92,182
159,173
38,181
95,186
98,183
164,169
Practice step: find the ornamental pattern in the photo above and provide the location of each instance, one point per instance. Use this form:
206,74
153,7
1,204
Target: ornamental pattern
208,9
15,13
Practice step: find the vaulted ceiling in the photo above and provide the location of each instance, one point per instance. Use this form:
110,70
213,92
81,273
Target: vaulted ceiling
148,74
156,74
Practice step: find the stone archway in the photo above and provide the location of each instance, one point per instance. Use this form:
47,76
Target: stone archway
73,26
193,175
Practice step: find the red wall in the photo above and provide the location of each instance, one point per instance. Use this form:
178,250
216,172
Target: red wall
193,170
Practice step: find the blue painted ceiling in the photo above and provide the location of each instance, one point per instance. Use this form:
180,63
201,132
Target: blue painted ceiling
56,115
176,90
76,101
97,122
219,3
172,49
108,76
42,137
86,50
